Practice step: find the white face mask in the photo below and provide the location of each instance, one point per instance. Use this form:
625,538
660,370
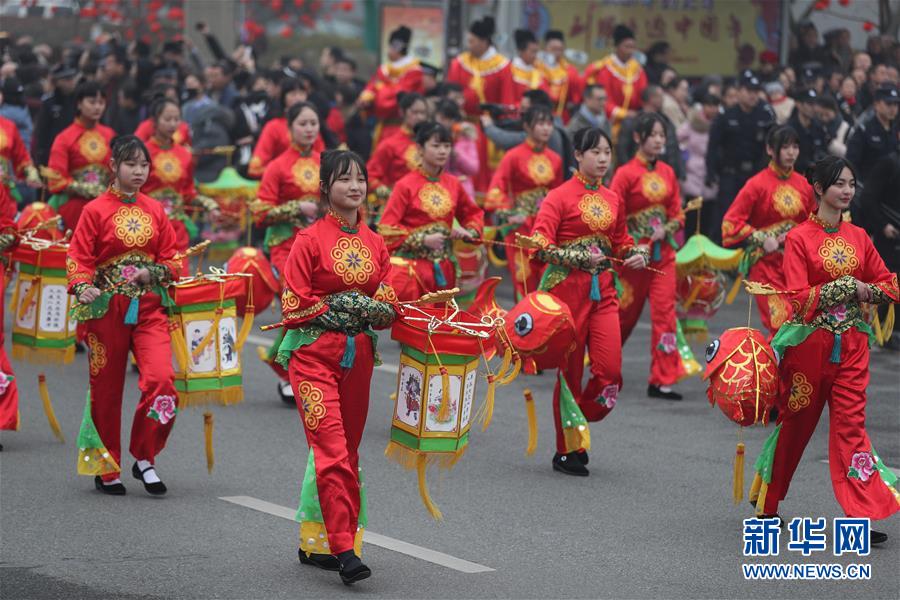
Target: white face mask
547,58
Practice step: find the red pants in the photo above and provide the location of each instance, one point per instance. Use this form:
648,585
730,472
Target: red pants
333,404
70,211
773,310
109,341
412,280
597,328
638,286
9,391
278,256
808,380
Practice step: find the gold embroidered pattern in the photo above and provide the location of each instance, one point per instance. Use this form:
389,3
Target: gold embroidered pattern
654,186
289,300
595,212
787,201
435,200
306,175
133,226
352,261
411,157
838,257
167,167
539,169
385,293
778,311
98,354
92,146
801,390
302,314
312,404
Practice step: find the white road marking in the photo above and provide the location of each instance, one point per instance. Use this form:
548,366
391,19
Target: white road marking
370,537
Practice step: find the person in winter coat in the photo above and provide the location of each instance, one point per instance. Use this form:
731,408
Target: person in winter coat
464,156
836,128
693,139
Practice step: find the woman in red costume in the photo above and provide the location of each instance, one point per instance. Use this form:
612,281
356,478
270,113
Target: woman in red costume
9,391
336,292
485,76
771,203
122,257
831,268
650,193
525,175
396,155
275,136
78,168
15,163
418,221
289,201
147,128
171,179
578,226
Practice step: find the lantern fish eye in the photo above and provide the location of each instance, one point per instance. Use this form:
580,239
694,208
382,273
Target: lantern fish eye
712,350
524,324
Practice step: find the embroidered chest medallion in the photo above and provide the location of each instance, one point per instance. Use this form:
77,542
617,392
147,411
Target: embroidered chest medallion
595,212
306,175
435,200
838,257
787,201
92,146
539,169
352,261
167,167
411,157
132,226
654,186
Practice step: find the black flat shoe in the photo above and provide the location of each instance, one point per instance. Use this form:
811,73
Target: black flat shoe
286,393
877,537
569,464
655,391
156,489
583,456
326,562
353,570
116,489
80,348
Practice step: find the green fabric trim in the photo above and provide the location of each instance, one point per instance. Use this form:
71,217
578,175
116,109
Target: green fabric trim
87,435
414,442
26,340
763,465
310,510
57,200
286,343
207,383
794,334
553,276
278,233
100,306
570,414
684,349
34,270
887,475
192,308
431,359
189,224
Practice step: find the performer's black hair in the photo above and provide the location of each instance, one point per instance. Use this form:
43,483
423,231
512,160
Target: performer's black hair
291,84
126,147
643,127
827,171
88,89
159,105
429,129
779,137
295,110
335,163
588,138
405,100
537,113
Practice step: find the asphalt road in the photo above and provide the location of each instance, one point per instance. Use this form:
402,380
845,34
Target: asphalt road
653,520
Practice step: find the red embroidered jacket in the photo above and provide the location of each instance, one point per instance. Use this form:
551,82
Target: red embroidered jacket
79,154
651,197
273,141
182,136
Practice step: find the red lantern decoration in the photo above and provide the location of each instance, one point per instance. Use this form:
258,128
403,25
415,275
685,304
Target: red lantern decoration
33,216
155,26
743,375
88,12
286,32
176,14
348,5
868,26
265,286
542,330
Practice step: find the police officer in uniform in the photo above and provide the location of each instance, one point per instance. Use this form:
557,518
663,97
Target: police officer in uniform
57,111
813,137
877,134
737,144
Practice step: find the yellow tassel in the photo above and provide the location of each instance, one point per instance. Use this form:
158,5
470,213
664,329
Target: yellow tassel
393,397
887,327
179,346
487,409
222,397
876,326
761,500
263,353
403,456
732,294
208,437
738,482
246,327
444,410
29,297
433,510
532,423
504,366
48,408
754,488
517,366
692,297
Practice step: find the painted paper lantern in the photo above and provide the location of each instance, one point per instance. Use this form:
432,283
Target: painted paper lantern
264,285
699,295
33,216
206,342
42,330
542,330
743,375
233,194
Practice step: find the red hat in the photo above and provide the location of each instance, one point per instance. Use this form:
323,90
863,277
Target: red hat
768,57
